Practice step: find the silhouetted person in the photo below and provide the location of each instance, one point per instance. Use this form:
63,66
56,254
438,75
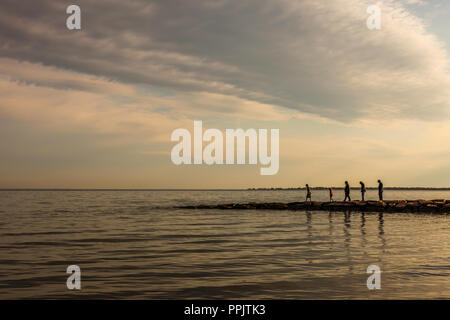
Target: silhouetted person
363,190
308,193
380,190
331,194
347,191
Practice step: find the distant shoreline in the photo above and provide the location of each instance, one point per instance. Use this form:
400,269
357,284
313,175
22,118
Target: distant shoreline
223,189
357,188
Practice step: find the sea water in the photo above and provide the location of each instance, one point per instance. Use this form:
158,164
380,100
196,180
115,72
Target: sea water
133,244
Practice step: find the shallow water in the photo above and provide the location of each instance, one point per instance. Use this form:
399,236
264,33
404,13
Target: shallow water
135,244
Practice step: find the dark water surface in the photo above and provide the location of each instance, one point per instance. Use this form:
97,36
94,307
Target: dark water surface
134,244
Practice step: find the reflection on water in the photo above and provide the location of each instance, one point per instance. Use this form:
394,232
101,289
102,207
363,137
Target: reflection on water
363,233
134,244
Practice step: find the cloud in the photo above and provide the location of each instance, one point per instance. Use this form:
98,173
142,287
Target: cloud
62,100
309,56
419,2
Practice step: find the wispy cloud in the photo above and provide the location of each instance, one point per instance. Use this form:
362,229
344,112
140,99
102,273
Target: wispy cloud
312,56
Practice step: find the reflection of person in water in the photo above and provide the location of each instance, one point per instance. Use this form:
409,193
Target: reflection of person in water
363,190
347,191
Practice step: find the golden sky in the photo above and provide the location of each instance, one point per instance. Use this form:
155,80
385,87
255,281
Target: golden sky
95,108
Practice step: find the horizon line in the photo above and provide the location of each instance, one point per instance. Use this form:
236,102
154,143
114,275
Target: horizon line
216,189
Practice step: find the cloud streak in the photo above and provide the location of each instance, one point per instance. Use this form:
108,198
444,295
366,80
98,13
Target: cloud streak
316,57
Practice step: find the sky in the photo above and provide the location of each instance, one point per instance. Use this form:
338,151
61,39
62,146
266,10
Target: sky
95,108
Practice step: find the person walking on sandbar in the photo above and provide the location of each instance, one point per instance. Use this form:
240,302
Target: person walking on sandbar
308,193
380,190
347,191
331,193
363,190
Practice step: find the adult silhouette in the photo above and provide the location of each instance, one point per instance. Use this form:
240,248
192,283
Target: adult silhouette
380,190
363,190
347,192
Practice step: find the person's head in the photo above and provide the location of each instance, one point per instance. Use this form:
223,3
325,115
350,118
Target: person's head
346,182
379,181
360,182
307,185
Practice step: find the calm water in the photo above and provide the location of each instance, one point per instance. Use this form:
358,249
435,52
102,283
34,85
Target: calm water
134,244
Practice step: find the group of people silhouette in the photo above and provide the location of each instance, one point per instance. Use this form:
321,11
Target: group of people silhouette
347,191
